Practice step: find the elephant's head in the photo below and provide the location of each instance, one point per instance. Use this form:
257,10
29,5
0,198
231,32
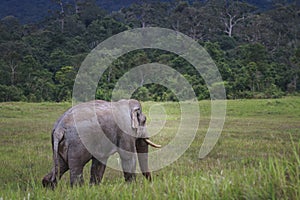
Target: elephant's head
131,120
138,122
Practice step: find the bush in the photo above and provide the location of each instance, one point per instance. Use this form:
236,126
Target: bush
141,94
274,92
11,93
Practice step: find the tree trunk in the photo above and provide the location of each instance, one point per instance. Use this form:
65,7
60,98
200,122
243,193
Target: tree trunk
62,16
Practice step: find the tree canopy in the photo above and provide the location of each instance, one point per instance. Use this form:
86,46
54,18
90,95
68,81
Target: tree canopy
256,51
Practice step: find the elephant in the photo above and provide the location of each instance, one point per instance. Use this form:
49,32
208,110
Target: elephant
107,128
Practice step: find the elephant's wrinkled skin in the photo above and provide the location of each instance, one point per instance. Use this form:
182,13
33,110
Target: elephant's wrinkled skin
123,124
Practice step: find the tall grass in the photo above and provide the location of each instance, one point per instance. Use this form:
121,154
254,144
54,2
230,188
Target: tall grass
256,157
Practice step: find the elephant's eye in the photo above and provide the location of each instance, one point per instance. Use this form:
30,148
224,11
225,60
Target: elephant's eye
142,119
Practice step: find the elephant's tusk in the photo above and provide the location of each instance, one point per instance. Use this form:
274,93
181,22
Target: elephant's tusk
152,144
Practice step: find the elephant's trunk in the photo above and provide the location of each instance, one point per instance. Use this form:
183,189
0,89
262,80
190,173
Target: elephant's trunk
148,141
142,153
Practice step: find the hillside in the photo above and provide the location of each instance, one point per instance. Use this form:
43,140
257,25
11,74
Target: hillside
257,52
35,10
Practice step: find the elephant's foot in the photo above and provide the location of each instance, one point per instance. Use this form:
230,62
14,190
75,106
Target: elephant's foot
147,176
97,171
76,176
48,182
77,181
129,177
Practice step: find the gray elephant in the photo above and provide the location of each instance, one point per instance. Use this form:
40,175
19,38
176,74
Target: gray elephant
103,128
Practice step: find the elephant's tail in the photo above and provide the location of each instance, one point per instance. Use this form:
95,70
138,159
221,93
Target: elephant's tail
57,137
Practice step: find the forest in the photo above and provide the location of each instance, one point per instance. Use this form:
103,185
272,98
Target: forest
257,51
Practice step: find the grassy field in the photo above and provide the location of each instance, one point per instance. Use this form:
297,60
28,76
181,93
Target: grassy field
256,157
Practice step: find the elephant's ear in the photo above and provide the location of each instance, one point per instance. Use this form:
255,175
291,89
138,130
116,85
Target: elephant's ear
134,117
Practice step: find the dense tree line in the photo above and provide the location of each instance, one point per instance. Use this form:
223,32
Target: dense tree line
257,52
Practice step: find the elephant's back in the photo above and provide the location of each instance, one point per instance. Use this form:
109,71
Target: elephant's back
81,113
88,116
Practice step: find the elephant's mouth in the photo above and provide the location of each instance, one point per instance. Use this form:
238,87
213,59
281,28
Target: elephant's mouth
148,141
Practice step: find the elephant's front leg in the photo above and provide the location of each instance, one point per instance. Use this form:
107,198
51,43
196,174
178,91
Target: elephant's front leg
129,167
97,171
127,154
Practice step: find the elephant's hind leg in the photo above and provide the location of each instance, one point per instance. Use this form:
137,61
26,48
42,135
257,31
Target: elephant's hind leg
50,179
76,174
78,156
97,171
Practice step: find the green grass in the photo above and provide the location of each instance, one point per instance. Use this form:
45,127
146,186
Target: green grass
256,157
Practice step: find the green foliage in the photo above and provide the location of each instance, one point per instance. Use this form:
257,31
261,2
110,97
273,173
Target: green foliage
258,57
65,80
11,93
142,94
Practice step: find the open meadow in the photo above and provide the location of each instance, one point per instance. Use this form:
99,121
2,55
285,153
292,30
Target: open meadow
256,157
